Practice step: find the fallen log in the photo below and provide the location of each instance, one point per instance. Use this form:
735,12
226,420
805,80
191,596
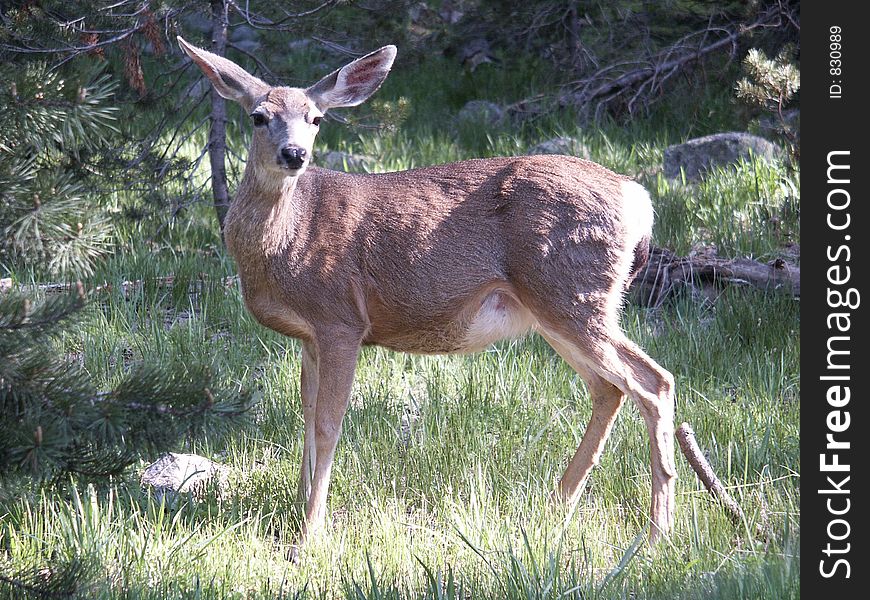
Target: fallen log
666,272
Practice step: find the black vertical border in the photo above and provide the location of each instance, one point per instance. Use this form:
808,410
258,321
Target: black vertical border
833,124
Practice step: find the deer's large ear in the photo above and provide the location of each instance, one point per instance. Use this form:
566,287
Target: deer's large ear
355,82
229,79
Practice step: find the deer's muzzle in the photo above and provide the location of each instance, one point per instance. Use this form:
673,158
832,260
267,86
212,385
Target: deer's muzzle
293,156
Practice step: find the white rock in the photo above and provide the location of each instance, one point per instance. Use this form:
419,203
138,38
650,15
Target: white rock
176,473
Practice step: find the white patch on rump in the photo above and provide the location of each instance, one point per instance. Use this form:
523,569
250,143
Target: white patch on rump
638,211
500,316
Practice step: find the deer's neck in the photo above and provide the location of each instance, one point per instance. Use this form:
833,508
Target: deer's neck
264,218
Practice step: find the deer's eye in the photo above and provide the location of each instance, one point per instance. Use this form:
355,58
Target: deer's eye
316,121
259,119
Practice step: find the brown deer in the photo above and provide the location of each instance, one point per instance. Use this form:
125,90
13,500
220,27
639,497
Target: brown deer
441,259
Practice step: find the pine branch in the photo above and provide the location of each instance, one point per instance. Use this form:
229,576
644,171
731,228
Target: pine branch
17,311
49,129
58,579
55,420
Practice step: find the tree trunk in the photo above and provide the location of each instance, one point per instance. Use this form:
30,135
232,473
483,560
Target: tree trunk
217,136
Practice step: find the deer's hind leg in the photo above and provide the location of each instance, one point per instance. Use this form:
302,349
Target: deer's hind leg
607,399
612,367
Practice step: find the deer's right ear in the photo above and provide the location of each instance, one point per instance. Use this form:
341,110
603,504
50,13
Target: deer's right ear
229,79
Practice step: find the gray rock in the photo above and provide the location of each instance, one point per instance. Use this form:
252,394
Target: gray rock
696,156
561,145
344,161
482,112
174,474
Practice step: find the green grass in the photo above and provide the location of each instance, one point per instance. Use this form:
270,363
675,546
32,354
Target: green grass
443,473
445,466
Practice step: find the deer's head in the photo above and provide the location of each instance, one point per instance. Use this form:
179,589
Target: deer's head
286,120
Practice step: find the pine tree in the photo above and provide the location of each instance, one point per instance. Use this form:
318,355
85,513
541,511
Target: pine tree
50,129
56,421
770,84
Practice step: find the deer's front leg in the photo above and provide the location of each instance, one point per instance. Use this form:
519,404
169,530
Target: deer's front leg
308,391
336,363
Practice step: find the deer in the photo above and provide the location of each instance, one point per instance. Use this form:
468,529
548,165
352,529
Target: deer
440,259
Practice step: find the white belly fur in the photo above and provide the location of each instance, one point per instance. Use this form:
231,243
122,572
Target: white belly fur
498,318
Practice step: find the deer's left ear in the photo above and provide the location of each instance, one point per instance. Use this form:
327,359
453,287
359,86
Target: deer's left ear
355,82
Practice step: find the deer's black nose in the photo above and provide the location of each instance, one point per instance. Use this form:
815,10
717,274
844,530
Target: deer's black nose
294,156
